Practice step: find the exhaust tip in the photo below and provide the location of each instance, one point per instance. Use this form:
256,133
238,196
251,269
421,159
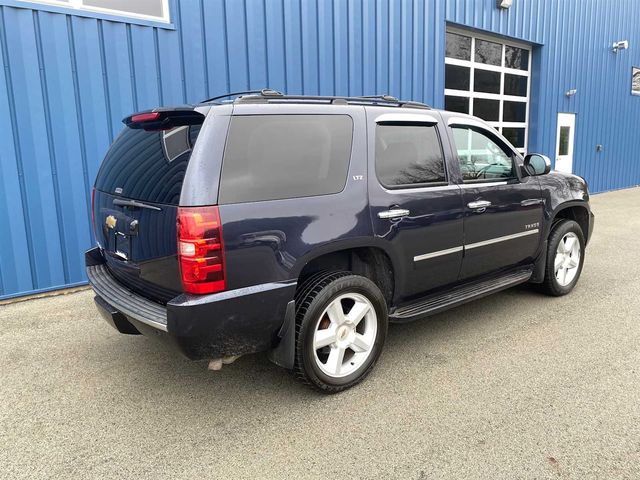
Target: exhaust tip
216,363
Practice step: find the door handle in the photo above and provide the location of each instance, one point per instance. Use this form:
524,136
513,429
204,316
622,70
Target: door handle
483,204
393,213
531,201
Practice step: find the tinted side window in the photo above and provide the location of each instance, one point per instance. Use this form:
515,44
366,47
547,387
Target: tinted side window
270,157
148,165
408,154
481,157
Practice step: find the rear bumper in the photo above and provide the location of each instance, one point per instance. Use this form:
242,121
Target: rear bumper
125,301
235,322
592,220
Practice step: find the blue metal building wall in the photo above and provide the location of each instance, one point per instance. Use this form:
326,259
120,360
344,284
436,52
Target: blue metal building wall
69,78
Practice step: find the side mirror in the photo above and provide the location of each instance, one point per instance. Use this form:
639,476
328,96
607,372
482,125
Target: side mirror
537,164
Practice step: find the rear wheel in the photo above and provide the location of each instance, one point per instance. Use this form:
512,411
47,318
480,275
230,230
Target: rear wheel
565,257
341,323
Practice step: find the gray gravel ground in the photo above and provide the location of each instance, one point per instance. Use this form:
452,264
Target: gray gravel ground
517,385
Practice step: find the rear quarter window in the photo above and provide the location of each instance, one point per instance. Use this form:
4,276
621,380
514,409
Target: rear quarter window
271,157
148,165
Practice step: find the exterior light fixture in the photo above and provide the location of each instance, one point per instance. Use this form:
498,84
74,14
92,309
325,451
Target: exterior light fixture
503,3
621,45
571,93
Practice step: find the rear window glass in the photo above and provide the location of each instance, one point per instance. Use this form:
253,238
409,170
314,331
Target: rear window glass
270,157
148,165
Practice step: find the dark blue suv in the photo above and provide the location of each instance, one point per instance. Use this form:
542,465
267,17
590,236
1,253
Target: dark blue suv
302,225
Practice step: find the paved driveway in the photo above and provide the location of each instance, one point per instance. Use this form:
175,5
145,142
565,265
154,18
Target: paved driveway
516,385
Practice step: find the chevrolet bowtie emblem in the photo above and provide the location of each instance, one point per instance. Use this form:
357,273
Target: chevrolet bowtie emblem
111,221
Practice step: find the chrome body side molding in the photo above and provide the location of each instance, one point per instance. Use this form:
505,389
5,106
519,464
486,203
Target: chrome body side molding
448,251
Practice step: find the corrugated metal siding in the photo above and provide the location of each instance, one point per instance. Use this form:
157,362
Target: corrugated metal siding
68,81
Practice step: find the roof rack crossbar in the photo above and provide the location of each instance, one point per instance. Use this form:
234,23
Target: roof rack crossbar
389,98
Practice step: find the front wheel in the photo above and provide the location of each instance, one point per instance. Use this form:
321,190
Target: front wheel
341,322
565,257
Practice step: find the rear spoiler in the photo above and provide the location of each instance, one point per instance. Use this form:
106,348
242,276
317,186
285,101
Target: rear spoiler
166,118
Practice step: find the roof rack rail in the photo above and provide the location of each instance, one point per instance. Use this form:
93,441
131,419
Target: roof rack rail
266,92
271,96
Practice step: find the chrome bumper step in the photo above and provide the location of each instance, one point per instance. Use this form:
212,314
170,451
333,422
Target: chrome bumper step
124,300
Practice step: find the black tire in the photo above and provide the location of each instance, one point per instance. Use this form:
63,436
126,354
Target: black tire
313,297
550,285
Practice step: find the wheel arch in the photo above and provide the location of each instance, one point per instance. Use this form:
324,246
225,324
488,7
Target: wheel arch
577,211
368,259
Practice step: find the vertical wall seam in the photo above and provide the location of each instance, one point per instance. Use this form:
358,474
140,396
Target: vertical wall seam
437,87
362,69
105,80
266,45
317,11
333,44
301,50
132,69
348,51
246,43
50,145
375,47
79,117
226,45
17,149
156,47
183,70
415,51
205,56
1,283
410,22
389,40
284,50
401,53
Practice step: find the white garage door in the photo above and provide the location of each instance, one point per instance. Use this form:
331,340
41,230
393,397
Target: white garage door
490,78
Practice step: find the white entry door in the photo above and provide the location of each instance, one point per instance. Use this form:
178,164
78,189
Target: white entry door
564,142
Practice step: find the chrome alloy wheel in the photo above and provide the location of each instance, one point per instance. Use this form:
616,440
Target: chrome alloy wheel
567,259
344,335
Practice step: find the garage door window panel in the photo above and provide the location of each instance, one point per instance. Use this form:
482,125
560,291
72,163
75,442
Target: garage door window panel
456,104
458,46
488,110
486,81
514,135
515,112
493,83
488,52
517,58
515,85
457,78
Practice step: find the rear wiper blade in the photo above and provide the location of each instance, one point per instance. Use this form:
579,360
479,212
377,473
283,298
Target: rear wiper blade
135,204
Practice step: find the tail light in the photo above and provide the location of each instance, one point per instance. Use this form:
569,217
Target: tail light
200,250
145,117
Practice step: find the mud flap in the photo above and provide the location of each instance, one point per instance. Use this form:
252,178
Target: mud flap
540,266
284,353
